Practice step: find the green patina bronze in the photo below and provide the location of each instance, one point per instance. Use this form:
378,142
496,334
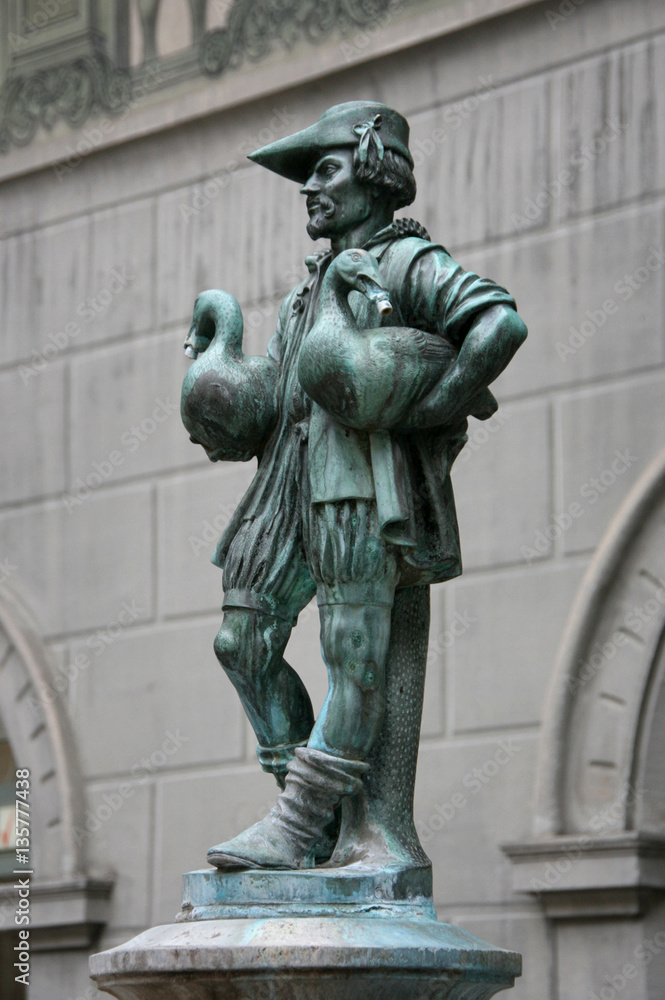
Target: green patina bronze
356,416
380,355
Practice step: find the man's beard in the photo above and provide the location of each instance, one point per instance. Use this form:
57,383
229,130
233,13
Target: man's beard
318,224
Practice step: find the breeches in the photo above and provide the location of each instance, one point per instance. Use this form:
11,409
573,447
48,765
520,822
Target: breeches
276,565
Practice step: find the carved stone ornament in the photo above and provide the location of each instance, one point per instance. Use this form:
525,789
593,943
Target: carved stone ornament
70,93
256,27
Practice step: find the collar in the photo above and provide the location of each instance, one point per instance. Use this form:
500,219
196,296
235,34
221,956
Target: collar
398,229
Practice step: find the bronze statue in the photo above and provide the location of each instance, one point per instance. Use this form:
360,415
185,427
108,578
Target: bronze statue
356,416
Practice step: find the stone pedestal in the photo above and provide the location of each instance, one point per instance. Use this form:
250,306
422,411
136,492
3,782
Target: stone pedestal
364,930
339,934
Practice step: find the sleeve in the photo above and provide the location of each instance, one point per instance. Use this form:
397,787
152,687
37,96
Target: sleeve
443,298
276,343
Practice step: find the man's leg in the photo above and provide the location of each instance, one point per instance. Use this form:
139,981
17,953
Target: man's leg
250,647
354,644
357,575
267,584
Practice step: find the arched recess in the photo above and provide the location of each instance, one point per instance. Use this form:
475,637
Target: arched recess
600,780
603,712
66,901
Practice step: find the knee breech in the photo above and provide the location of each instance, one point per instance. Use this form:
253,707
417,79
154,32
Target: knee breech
350,561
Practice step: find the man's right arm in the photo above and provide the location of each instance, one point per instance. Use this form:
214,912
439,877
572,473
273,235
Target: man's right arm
276,343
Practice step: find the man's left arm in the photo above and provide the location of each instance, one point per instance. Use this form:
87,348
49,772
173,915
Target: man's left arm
477,316
486,350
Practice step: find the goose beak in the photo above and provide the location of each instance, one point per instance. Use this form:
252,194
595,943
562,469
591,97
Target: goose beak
375,293
190,350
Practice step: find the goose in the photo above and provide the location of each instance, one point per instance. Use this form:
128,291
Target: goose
369,379
228,401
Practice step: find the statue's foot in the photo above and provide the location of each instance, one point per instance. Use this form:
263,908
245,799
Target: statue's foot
261,846
287,837
325,845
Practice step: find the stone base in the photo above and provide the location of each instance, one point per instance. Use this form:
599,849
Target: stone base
305,958
356,890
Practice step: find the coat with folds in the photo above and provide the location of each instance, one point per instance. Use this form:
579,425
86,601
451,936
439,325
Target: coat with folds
406,472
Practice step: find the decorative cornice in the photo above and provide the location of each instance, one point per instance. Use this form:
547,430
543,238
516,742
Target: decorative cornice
71,92
576,877
255,27
307,63
67,913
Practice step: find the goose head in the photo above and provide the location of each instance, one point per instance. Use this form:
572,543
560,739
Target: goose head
360,271
214,311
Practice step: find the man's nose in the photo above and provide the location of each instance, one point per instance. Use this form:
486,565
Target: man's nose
311,186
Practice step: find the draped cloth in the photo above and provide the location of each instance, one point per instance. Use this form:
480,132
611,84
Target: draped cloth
310,459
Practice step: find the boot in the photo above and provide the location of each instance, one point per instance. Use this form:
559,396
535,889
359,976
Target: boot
315,783
275,760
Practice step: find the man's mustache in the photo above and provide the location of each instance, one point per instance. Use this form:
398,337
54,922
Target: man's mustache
322,202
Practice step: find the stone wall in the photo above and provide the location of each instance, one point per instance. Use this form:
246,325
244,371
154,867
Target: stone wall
539,139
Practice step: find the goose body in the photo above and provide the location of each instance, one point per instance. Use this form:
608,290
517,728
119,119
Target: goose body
368,379
228,401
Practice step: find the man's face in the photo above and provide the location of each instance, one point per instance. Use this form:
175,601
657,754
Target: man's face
336,200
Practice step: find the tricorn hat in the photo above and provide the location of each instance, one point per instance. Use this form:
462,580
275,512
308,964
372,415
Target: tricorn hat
356,123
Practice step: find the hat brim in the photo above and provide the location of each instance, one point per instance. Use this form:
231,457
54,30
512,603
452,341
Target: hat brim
339,127
295,156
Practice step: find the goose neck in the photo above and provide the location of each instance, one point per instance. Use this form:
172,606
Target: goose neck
227,317
335,296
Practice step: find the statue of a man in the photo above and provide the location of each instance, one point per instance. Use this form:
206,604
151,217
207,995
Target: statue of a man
334,511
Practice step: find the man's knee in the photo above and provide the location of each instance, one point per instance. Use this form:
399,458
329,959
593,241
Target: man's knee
249,643
230,643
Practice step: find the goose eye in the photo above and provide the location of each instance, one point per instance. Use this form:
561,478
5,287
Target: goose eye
355,256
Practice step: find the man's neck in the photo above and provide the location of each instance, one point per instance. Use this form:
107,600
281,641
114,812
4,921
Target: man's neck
360,234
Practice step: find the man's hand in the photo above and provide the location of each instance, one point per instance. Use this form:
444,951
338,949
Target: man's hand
485,352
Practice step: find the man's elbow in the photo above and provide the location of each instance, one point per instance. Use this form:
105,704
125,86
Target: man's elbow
514,328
